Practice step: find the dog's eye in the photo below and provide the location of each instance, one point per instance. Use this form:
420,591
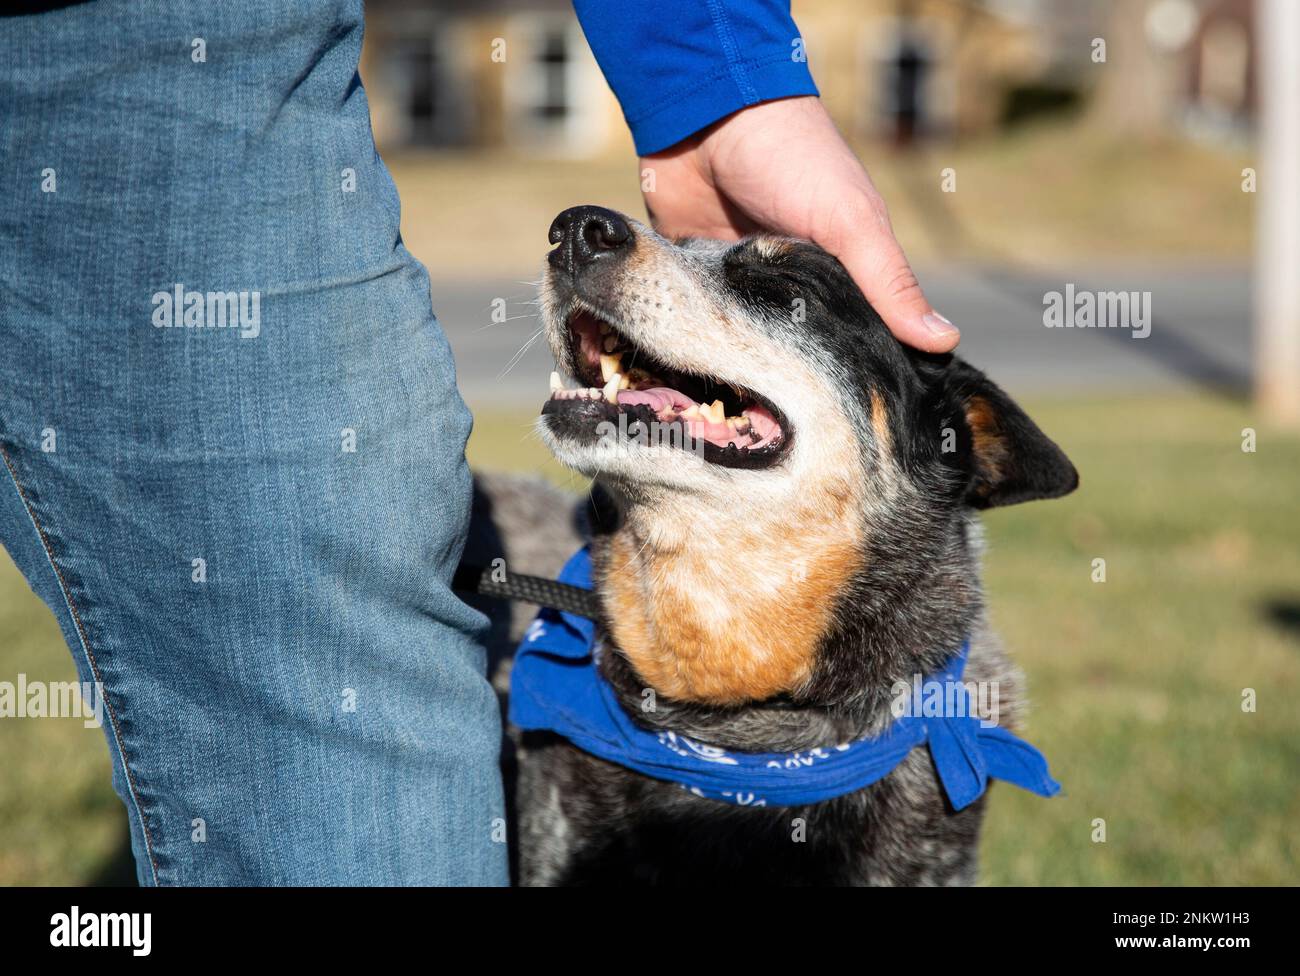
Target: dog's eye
755,283
756,280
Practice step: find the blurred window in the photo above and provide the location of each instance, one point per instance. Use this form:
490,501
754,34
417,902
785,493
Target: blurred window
552,65
906,79
556,102
1225,62
420,77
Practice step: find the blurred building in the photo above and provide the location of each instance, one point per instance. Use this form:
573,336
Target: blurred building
1220,79
1181,65
517,75
904,70
513,74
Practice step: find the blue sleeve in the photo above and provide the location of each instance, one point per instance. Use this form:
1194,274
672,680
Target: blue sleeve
678,65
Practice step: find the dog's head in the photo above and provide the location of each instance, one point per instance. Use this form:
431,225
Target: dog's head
764,435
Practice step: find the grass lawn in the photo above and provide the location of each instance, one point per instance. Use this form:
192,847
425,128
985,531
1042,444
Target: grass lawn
1044,195
1136,682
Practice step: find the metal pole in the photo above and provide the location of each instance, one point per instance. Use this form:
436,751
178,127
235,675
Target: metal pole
1277,244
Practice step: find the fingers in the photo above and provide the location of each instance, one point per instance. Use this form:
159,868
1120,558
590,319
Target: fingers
681,201
864,242
783,166
800,186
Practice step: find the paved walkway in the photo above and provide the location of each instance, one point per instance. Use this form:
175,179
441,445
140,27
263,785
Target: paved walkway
1200,333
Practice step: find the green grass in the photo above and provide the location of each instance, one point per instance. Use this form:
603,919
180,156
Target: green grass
1065,189
60,821
1045,195
1136,682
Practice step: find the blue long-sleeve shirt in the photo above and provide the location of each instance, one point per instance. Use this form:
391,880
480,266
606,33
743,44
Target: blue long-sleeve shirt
678,65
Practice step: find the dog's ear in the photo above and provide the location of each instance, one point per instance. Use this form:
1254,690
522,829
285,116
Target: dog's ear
1006,457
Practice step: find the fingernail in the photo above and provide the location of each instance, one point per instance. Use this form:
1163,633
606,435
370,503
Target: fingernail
938,325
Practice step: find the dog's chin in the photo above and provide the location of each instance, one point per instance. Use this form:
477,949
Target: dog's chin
628,467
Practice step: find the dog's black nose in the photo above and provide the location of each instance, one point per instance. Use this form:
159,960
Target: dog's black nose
585,235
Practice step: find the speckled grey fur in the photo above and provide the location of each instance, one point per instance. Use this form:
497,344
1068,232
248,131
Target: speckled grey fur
916,595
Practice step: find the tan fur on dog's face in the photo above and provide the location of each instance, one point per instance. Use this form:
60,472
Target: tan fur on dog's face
859,458
720,582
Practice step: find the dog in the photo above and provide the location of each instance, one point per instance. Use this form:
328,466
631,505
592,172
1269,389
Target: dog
802,539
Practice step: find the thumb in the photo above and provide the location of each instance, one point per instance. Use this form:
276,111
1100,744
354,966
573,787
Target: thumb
868,250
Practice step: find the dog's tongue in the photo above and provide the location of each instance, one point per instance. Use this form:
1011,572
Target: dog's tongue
667,403
657,398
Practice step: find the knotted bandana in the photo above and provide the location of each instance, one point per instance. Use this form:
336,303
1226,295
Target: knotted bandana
555,685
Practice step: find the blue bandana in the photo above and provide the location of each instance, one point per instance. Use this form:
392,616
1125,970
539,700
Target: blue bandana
556,686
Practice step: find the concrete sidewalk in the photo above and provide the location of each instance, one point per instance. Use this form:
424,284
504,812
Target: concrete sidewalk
1200,332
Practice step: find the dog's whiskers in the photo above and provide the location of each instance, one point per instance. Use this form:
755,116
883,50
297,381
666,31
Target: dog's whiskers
512,318
520,354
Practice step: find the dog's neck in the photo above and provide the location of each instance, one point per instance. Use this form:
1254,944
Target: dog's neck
778,636
726,605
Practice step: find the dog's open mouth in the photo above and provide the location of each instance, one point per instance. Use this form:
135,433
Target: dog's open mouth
645,399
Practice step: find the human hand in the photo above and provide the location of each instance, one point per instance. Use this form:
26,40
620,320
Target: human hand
782,166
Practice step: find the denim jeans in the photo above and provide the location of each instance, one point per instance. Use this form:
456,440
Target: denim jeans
233,448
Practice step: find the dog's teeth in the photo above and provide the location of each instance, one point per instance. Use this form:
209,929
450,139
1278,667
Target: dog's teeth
625,383
612,387
556,384
714,412
609,366
610,343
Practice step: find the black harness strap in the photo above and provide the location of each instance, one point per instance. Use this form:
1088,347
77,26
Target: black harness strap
529,589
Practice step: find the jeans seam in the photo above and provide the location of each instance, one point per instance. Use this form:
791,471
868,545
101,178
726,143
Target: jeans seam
90,658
